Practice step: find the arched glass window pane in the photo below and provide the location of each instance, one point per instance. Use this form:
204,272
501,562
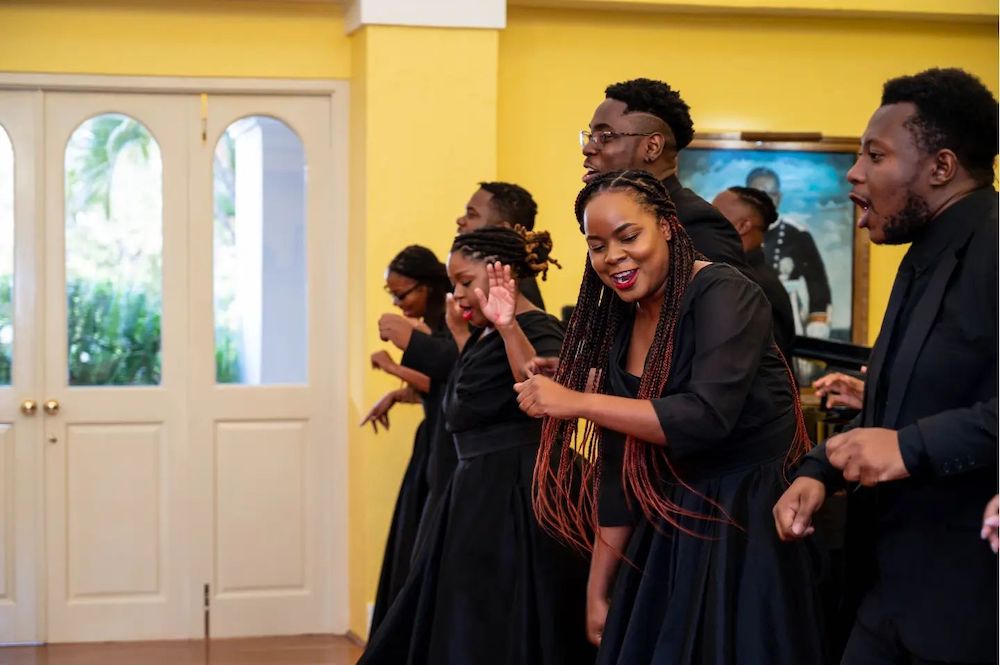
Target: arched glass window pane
260,254
114,253
6,258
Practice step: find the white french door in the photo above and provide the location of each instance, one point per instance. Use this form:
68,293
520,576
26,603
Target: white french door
174,316
116,248
264,459
20,369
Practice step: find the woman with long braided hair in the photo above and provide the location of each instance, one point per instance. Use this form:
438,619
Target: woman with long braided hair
488,586
418,284
691,422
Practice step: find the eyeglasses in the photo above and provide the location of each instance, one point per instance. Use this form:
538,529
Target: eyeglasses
603,137
400,297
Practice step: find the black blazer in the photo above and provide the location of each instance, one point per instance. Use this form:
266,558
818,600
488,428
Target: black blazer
781,306
710,231
913,545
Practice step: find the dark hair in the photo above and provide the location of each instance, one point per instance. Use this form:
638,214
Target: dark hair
526,252
565,491
763,172
422,266
759,201
954,111
513,203
656,98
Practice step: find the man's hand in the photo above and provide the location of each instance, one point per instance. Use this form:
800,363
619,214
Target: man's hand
383,361
396,329
867,455
795,509
542,366
540,396
991,524
840,390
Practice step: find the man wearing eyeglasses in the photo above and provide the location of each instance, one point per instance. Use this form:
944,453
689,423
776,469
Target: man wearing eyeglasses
642,124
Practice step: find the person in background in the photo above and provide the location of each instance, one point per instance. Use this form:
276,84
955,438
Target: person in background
921,459
418,284
792,254
642,124
751,212
503,204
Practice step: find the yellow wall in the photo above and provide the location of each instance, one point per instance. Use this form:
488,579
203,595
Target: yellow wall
424,131
747,72
435,110
182,38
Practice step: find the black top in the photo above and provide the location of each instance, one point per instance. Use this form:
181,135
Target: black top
781,306
933,378
481,391
435,355
792,250
728,400
528,286
710,231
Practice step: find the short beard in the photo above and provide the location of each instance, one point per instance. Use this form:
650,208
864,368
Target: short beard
905,224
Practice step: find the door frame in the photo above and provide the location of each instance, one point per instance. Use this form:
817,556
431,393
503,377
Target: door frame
336,518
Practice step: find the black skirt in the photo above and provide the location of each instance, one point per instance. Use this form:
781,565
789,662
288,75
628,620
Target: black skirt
488,587
399,546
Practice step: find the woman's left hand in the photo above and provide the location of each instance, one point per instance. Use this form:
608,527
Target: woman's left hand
383,361
498,307
396,329
540,396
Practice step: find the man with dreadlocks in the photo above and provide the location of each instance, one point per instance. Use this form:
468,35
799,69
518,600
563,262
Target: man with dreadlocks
642,124
692,418
488,586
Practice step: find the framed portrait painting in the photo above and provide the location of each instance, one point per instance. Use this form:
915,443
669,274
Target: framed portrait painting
815,247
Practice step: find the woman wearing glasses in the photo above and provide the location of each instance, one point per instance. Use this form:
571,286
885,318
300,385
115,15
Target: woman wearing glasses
418,284
488,585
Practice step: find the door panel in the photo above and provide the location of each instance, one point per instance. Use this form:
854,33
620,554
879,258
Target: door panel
20,369
116,364
269,419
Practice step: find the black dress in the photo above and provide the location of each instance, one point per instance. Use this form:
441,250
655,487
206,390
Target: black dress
489,587
434,355
728,595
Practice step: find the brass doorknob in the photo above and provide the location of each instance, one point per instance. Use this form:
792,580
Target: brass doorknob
29,407
51,407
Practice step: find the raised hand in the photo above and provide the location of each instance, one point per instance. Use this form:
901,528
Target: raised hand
396,329
498,307
383,361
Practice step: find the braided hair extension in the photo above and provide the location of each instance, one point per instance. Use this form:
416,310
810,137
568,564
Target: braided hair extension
526,252
565,491
422,266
